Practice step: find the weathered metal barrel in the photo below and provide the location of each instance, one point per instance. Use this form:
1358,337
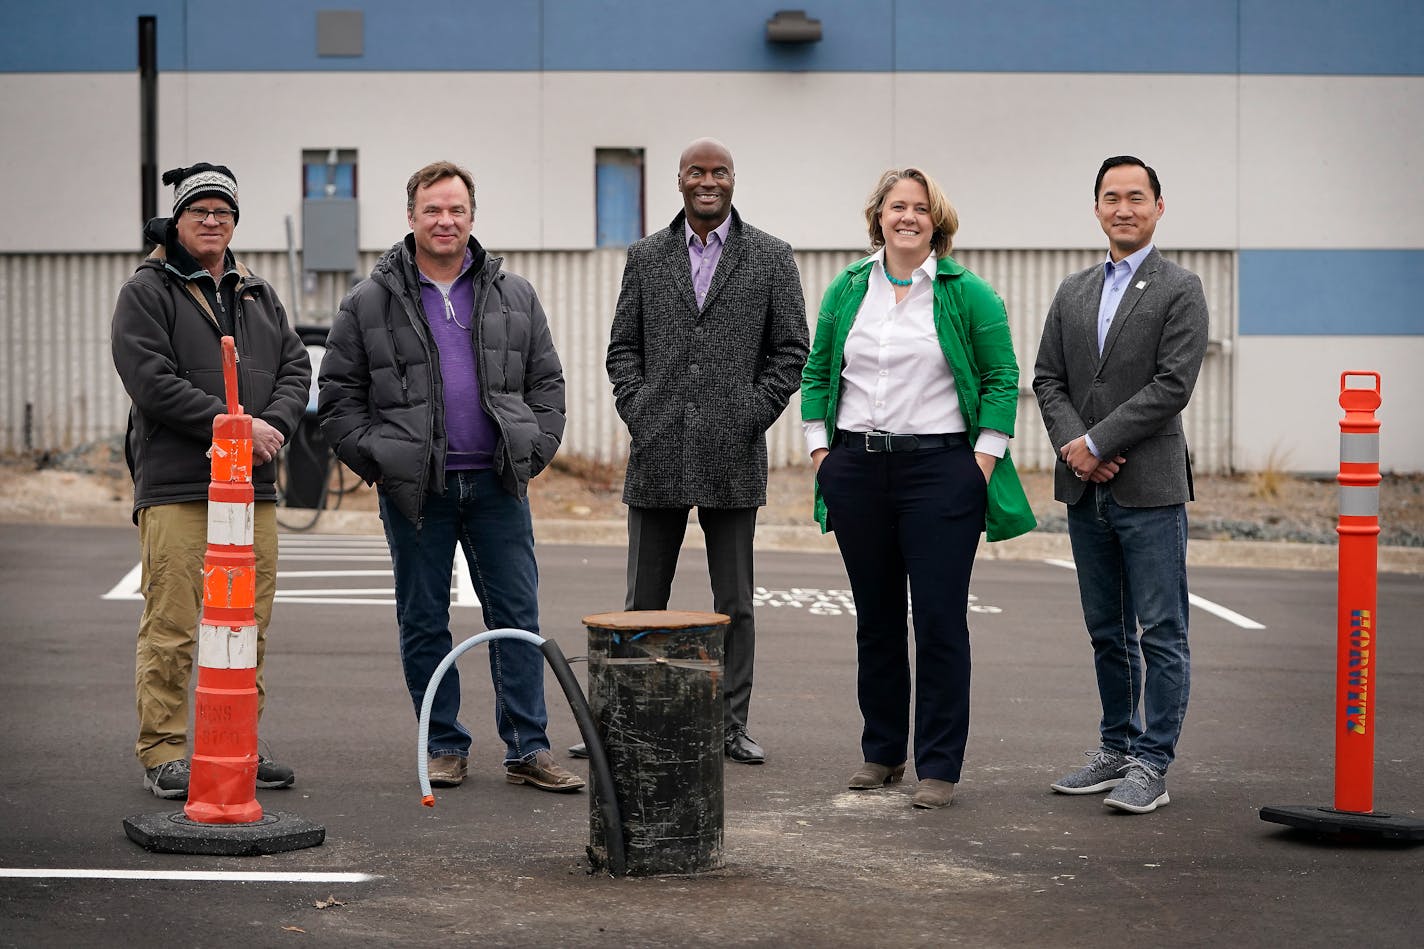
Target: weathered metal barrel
655,691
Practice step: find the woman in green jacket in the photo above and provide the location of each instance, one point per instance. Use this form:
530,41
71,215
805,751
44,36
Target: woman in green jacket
908,400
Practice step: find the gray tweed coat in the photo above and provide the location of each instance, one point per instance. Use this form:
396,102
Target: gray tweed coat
699,389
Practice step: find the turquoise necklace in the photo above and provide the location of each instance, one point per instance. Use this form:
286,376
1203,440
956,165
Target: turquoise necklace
898,283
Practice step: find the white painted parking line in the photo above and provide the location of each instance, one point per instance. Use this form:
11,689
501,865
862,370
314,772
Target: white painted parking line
330,549
223,876
127,588
1201,602
1231,616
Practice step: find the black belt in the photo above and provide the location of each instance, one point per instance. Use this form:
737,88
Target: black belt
888,441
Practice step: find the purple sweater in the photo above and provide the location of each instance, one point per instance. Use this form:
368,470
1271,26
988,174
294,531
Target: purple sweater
470,433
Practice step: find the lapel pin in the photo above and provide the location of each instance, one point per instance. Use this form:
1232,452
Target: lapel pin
1142,284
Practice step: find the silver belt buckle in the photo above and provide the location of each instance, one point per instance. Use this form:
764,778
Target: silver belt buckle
870,442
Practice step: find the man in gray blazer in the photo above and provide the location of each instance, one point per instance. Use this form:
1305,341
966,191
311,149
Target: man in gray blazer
1119,357
707,345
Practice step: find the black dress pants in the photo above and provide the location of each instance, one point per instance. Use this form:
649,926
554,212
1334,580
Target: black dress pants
909,518
655,537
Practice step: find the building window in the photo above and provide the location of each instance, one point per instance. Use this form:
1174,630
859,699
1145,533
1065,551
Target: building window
618,177
329,173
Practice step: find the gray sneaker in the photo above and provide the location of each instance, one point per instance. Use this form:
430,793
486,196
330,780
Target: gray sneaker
1104,771
1142,791
168,780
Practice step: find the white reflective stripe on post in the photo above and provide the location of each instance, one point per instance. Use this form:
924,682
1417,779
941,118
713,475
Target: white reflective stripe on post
229,524
1359,449
1359,502
227,647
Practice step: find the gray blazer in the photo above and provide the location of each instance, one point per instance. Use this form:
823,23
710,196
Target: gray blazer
699,388
1129,399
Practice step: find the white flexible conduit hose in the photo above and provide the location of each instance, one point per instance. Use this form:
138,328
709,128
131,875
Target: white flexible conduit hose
599,771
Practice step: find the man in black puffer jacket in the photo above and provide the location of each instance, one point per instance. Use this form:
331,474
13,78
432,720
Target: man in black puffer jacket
440,384
167,344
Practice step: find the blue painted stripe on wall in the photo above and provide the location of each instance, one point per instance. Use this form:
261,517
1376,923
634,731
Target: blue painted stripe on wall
1310,37
87,35
278,35
1331,293
715,36
1176,36
1371,38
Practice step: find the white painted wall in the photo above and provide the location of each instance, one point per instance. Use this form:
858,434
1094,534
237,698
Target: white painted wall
1288,400
1248,162
1332,162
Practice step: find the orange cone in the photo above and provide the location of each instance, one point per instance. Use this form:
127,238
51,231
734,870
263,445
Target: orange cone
222,788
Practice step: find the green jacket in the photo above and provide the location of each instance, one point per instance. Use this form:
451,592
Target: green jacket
973,331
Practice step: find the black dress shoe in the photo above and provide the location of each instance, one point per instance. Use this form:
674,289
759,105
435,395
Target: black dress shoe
578,751
741,748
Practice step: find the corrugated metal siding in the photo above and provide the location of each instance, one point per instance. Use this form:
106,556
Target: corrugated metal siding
58,373
59,388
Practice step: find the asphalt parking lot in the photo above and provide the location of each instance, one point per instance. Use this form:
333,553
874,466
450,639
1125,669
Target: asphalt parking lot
807,862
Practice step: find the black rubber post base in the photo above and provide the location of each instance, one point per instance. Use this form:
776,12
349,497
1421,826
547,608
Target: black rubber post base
1347,824
176,833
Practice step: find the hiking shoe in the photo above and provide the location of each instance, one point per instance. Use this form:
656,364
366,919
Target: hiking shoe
1142,791
271,775
168,780
1104,771
544,773
447,771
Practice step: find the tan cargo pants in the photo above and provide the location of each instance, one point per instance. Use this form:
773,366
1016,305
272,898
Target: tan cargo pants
172,540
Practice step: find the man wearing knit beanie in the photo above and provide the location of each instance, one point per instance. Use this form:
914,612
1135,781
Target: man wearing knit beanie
167,330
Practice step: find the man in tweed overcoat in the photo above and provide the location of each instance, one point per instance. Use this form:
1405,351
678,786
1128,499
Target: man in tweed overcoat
706,348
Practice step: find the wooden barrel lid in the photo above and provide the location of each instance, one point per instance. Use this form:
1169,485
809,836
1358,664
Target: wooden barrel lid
635,620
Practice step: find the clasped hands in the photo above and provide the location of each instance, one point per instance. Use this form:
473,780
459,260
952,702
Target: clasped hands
1086,465
266,441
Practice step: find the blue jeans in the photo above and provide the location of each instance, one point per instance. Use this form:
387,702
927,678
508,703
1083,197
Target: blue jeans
494,530
1132,569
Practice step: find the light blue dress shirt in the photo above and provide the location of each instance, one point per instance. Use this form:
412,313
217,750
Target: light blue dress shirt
1116,278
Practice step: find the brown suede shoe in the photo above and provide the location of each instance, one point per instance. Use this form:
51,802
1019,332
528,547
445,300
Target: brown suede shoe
447,771
931,792
544,773
871,775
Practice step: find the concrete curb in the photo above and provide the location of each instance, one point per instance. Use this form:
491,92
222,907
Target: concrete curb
1038,545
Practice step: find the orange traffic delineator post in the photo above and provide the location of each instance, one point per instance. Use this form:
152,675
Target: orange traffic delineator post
1357,628
222,815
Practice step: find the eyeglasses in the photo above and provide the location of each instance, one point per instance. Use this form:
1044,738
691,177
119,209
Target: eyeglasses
224,215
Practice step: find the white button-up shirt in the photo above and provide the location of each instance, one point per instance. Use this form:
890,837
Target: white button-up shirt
896,378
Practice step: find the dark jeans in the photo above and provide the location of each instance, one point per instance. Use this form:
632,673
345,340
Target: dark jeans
1132,569
494,530
654,540
909,516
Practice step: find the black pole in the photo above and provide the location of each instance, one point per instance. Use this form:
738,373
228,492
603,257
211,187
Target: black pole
598,761
148,117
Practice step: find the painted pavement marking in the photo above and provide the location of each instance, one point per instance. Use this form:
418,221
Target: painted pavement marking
1201,602
224,876
329,549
